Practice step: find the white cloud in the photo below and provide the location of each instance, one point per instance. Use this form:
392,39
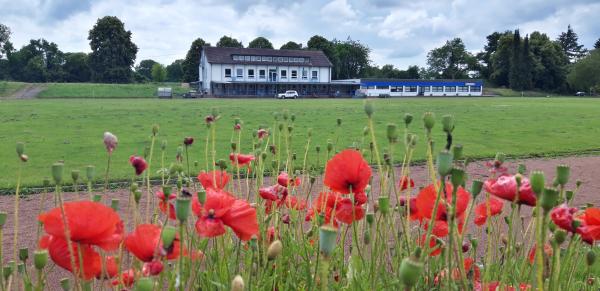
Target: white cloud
338,11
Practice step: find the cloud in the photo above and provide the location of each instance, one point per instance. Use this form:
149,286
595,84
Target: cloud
399,32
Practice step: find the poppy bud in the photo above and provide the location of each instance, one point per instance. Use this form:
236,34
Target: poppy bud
222,164
370,218
474,243
578,183
57,172
155,128
237,284
134,187
90,172
569,195
233,146
168,236
549,199
521,169
97,197
465,247
23,254
457,152
182,208
369,108
428,120
563,172
40,259
329,146
3,216
411,140
188,141
137,195
458,177
65,284
392,132
274,250
24,158
500,157
327,238
590,258
110,142
407,119
365,131
444,163
75,175
410,271
551,226
575,224
448,123
312,179
384,204
20,149
46,182
560,236
320,219
114,204
537,181
339,122
163,145
367,237
144,284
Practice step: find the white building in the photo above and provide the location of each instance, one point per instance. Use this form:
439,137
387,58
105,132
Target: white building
263,72
400,88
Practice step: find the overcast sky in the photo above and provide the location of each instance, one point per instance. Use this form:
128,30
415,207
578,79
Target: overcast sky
398,32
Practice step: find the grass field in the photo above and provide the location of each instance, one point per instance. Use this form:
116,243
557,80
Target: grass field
8,88
91,90
71,130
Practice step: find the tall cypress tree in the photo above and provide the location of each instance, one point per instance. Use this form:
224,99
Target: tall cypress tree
515,73
526,65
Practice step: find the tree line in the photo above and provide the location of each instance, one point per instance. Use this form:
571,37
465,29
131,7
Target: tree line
533,61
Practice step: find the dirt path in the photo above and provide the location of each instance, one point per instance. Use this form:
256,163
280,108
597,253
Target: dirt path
586,169
30,91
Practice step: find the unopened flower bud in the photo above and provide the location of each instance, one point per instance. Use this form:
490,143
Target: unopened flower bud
90,172
274,250
465,247
327,238
560,236
237,284
521,169
57,172
75,175
329,146
448,123
367,237
370,218
407,119
369,108
410,271
590,258
168,236
233,146
428,120
163,145
339,122
444,163
392,132
155,128
457,177
23,254
563,172
500,157
182,208
569,195
549,199
40,259
137,195
457,152
537,181
384,204
365,131
20,149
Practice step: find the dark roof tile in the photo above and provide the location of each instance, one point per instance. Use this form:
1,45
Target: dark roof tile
224,55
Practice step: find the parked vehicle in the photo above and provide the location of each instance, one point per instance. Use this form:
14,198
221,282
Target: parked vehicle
290,94
580,93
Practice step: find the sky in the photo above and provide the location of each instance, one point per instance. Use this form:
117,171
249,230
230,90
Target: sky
398,32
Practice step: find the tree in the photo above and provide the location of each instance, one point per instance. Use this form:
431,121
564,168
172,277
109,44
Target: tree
451,61
175,71
413,72
76,68
290,45
39,61
5,44
191,63
113,52
159,74
260,42
485,57
597,44
145,68
548,64
572,49
585,74
320,43
351,59
227,41
501,60
516,73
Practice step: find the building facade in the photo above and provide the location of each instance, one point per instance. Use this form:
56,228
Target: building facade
263,72
400,88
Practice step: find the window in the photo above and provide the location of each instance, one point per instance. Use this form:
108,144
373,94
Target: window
426,88
285,59
475,88
304,74
235,58
280,59
283,74
239,73
228,73
247,58
253,58
315,75
262,74
463,88
396,89
411,89
437,89
294,74
371,87
450,88
301,60
250,73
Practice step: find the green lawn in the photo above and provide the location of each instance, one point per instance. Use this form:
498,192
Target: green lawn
71,129
91,90
8,88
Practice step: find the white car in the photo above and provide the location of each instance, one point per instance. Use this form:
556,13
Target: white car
290,94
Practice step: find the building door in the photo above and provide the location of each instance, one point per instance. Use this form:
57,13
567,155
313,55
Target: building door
421,90
272,75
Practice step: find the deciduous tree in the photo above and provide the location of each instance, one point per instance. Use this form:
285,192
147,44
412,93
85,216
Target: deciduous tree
585,74
145,68
159,74
227,41
451,61
76,67
260,42
175,71
191,63
290,45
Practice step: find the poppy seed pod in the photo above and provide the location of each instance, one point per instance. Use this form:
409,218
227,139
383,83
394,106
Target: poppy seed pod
23,254
290,128
3,216
114,204
457,151
233,146
428,120
407,119
457,177
182,208
237,284
46,182
590,258
327,238
384,204
549,199
40,259
293,117
448,123
90,172
444,163
263,156
392,132
274,250
569,195
57,172
75,175
163,145
144,284
155,129
369,108
560,236
65,284
168,236
410,271
367,237
537,181
329,146
137,195
20,149
563,172
339,122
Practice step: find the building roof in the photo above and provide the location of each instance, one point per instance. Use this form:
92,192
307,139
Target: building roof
224,55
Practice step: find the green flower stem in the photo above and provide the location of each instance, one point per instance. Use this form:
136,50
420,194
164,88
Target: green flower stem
67,236
107,172
148,171
16,212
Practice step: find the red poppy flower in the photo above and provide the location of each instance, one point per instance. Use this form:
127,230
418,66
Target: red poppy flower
405,182
505,187
220,209
493,286
188,141
470,270
425,201
261,133
241,159
89,223
139,164
590,228
209,119
481,210
60,255
273,193
434,249
152,268
347,172
295,203
213,179
165,205
127,279
330,203
547,252
563,217
284,180
414,211
145,243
